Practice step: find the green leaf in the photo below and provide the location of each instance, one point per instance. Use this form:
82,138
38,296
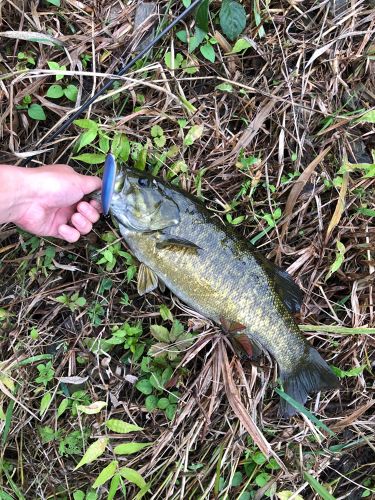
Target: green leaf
71,93
194,133
113,487
106,474
368,212
259,458
225,87
182,35
197,39
87,138
170,411
353,372
121,427
286,494
339,259
237,479
165,313
92,409
163,403
156,131
144,386
160,333
186,3
132,476
104,143
86,123
80,301
57,3
241,45
79,495
151,402
36,112
130,448
45,402
121,147
55,91
201,16
93,452
90,158
55,66
208,52
232,18
319,488
62,407
262,479
156,381
368,117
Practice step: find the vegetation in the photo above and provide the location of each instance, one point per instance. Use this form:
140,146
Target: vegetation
264,110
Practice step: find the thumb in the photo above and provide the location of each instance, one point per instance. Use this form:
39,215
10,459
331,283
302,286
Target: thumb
90,183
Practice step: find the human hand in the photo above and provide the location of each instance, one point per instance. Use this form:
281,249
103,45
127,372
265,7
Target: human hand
48,202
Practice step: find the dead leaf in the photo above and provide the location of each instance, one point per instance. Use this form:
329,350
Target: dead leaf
340,206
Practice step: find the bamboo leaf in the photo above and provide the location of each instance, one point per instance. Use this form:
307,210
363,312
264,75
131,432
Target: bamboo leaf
93,452
106,474
121,427
132,476
130,448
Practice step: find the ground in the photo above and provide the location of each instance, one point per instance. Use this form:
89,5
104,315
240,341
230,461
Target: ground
277,138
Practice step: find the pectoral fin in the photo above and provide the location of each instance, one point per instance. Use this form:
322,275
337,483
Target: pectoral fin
176,242
147,280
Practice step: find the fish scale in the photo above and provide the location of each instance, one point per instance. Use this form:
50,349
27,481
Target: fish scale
218,274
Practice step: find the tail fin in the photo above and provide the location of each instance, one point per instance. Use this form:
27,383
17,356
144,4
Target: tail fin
311,375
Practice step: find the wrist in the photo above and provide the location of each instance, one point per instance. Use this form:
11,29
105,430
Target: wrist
15,192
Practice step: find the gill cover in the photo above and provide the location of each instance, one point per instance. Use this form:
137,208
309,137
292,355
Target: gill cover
140,203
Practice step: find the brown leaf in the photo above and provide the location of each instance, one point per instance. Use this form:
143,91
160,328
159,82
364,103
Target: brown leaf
340,206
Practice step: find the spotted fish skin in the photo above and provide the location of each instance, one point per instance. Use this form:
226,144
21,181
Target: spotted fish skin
220,275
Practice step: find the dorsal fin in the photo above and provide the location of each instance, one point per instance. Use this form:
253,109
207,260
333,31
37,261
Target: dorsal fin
289,292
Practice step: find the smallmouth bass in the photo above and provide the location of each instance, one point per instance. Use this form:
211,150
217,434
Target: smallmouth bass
184,246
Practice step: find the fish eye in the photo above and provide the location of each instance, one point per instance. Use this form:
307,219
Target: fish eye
143,182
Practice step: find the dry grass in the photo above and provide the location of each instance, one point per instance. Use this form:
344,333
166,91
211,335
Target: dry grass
295,96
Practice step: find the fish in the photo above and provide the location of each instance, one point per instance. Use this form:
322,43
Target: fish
182,245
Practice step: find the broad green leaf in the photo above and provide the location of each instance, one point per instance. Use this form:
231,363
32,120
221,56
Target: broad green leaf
71,93
194,133
170,411
91,158
182,35
201,16
237,479
173,63
208,52
232,18
317,487
121,427
57,3
197,39
165,313
79,495
106,474
368,117
55,66
224,87
339,259
140,163
62,407
151,402
45,402
163,403
160,333
156,131
186,3
132,476
241,45
262,479
55,91
86,123
104,143
144,386
113,486
368,212
87,138
80,301
36,112
92,409
130,448
93,452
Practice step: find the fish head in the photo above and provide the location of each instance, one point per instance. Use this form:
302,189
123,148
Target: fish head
140,203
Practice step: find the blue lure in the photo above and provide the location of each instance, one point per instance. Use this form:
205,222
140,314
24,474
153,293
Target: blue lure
108,185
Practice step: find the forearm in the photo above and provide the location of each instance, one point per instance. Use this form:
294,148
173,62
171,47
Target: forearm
14,192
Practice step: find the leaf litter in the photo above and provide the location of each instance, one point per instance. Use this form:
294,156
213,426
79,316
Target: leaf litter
297,99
